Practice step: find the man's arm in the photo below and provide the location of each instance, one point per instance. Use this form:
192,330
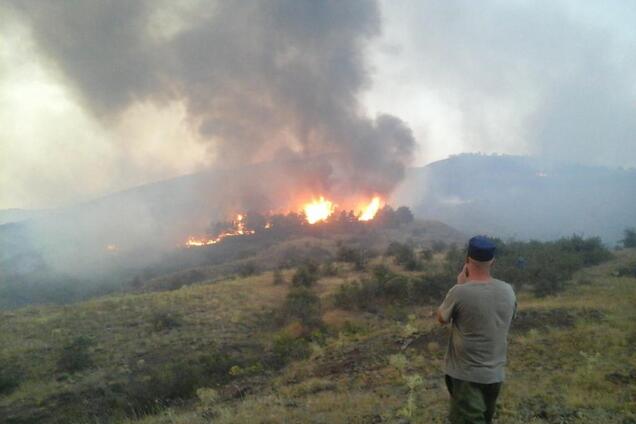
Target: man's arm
440,318
447,308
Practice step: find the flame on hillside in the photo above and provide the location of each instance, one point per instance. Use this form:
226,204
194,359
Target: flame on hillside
318,210
238,230
370,210
315,211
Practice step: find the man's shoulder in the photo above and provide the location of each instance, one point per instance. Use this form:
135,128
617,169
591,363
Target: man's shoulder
504,286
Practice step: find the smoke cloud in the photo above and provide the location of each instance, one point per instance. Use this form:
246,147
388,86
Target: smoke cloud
553,79
259,80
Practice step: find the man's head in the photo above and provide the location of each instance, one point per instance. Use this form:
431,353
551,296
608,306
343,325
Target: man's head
481,254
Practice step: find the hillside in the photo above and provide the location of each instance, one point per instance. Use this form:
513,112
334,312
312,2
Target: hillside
506,196
522,197
219,352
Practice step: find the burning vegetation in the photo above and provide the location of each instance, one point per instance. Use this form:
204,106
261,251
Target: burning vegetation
319,213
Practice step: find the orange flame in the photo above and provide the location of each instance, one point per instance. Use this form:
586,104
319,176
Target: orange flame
369,211
318,210
238,230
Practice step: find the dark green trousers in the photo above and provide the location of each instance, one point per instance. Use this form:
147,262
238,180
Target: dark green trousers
472,403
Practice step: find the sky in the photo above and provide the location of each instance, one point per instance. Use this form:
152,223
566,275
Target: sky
554,79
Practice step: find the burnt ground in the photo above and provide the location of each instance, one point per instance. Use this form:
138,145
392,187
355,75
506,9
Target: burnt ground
543,319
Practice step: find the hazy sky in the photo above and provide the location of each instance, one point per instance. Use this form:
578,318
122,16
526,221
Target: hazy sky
548,78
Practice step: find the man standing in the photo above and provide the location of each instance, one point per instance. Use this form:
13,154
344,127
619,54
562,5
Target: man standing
480,309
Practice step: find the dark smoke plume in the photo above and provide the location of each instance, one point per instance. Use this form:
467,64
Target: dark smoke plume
261,80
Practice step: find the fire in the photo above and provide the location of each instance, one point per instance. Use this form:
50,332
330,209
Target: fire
200,241
368,213
318,210
238,229
111,248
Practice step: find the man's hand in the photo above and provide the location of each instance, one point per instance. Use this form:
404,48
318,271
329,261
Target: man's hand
461,277
438,315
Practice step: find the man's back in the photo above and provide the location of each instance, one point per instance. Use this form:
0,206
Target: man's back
480,313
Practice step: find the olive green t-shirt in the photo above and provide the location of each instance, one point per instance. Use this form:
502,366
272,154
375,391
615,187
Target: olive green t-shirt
480,314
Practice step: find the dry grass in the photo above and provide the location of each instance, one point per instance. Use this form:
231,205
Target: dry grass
575,371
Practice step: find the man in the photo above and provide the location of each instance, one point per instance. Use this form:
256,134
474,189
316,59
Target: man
480,309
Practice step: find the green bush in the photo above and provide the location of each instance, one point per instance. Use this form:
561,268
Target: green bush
75,356
590,250
165,320
328,269
546,266
404,255
286,348
351,255
247,269
427,289
146,392
626,271
438,246
277,277
305,276
385,288
426,255
10,378
354,295
303,305
630,237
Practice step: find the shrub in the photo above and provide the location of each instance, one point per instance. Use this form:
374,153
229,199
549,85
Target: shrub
381,272
303,305
351,255
394,290
277,277
354,295
286,348
590,250
545,266
75,355
426,255
10,378
165,320
369,294
247,269
630,237
305,276
403,215
626,271
438,246
328,269
146,392
429,288
404,255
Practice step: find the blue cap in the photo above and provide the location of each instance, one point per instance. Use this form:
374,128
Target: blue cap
480,248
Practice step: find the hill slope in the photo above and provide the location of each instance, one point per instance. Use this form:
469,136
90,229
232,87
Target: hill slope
522,197
572,357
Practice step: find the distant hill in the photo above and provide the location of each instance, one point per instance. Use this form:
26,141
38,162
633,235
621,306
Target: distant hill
8,216
507,196
522,197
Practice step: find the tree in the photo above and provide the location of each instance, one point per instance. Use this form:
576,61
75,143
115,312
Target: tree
403,215
630,237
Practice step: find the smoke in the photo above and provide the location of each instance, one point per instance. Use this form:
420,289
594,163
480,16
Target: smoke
553,79
259,80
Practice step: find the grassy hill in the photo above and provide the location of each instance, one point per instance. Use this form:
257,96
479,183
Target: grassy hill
522,197
223,352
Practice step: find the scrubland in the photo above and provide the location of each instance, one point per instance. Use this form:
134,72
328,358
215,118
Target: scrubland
356,344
